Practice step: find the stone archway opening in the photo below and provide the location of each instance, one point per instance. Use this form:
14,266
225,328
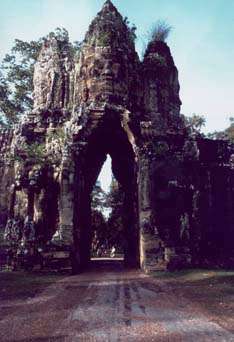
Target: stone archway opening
107,211
112,140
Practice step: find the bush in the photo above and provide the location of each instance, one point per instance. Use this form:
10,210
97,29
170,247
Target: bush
160,31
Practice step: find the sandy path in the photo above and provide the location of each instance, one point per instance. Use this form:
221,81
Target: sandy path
108,306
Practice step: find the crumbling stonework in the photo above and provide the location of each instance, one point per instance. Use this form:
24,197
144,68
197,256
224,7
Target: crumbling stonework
178,187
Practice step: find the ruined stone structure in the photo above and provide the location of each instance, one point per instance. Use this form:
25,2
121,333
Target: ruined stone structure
178,187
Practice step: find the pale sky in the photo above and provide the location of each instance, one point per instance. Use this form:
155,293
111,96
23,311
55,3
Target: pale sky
201,41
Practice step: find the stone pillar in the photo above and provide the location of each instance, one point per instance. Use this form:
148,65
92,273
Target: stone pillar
8,233
64,234
131,228
82,212
151,246
29,228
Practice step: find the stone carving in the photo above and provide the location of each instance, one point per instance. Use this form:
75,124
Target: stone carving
105,101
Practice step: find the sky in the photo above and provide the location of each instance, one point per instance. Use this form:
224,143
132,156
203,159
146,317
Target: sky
201,41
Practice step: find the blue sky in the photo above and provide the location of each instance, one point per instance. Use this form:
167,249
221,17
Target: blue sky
201,42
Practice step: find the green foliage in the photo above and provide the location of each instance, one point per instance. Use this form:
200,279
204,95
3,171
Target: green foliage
131,28
104,39
33,154
115,221
227,134
61,35
218,135
99,231
160,31
230,130
99,199
108,233
16,81
9,108
75,48
16,74
58,134
194,123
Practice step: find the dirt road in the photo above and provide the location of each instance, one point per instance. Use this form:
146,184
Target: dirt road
108,306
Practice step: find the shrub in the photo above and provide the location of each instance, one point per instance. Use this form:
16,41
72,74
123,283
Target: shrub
160,31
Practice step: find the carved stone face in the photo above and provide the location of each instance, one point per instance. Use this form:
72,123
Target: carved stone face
104,76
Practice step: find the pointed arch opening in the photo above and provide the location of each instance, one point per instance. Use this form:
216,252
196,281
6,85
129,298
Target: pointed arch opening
106,140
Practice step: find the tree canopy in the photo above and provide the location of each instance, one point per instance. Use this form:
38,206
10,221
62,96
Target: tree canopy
194,123
107,231
16,75
227,134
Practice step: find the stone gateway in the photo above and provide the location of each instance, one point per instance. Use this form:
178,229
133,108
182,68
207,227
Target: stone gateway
179,207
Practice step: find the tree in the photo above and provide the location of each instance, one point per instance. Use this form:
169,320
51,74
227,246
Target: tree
194,123
115,221
98,222
98,198
17,80
227,134
230,130
131,29
111,232
16,75
99,231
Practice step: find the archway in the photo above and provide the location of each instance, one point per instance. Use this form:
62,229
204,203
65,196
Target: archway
107,204
108,138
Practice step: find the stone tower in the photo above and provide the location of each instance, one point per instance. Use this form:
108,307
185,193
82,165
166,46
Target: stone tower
107,101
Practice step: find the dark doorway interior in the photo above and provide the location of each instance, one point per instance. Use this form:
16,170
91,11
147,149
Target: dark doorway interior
108,139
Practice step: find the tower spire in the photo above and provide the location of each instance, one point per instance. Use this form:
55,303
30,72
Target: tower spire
108,5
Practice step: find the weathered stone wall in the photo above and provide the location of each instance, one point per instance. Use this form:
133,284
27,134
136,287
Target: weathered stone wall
215,203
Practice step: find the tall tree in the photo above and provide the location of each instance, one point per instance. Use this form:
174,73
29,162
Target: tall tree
109,231
16,75
98,198
194,123
227,134
115,220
